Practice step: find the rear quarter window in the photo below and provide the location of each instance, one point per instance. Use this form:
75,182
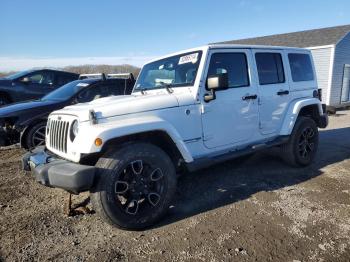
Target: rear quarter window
301,67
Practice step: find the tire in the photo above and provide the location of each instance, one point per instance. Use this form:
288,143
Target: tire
35,135
302,146
3,100
134,186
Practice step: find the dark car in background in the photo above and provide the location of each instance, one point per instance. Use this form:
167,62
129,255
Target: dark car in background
25,122
32,84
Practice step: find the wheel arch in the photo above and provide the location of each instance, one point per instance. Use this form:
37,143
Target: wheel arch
310,107
26,129
158,138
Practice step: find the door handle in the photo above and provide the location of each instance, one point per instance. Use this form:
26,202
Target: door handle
248,97
283,92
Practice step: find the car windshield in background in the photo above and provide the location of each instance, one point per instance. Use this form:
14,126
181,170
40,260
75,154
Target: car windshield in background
179,70
66,92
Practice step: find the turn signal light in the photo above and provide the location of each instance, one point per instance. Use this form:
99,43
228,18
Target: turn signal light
98,142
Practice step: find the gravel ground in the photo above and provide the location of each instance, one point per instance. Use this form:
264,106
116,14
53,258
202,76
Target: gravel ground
253,210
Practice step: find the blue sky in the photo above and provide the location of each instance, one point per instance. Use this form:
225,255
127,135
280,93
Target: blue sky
38,32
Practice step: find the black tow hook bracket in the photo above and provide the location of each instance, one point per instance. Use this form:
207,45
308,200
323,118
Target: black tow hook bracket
78,209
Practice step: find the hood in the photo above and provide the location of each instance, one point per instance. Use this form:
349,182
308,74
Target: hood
121,105
15,109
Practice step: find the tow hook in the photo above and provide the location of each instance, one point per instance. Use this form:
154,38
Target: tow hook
78,209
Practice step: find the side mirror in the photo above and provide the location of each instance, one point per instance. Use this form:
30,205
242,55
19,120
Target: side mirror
217,82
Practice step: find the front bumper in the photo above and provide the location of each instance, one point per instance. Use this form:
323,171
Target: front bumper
10,132
3,138
8,137
58,173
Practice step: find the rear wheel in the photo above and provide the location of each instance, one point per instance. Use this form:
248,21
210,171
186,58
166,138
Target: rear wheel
134,187
302,146
35,135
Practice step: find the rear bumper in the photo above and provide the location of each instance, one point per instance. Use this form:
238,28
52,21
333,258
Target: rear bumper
323,119
52,172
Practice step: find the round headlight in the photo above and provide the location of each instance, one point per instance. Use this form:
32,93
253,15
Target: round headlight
74,130
75,127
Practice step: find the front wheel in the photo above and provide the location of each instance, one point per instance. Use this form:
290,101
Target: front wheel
135,185
35,135
303,143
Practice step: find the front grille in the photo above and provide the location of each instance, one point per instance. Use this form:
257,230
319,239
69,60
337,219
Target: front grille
58,134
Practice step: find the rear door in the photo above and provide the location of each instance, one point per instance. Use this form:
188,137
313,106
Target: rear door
273,89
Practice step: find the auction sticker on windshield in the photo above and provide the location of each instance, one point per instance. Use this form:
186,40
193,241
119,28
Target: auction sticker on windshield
191,58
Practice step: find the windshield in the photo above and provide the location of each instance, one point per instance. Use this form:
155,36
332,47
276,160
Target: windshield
66,91
17,75
179,70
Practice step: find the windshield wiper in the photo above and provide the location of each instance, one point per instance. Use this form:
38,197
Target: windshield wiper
167,86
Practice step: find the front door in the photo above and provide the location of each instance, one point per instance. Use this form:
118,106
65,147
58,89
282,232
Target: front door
37,84
273,89
231,118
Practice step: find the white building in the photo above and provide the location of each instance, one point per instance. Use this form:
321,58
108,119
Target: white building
331,52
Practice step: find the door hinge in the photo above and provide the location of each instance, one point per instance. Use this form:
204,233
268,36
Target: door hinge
205,109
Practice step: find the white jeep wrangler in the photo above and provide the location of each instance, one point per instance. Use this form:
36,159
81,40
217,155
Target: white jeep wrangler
188,110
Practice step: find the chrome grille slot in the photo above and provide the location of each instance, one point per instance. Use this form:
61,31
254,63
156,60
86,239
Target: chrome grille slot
58,135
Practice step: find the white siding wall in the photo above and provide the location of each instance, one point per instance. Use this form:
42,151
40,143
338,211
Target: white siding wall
322,60
341,57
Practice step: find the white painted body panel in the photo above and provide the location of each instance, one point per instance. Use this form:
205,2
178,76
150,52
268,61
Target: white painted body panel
229,120
185,117
272,107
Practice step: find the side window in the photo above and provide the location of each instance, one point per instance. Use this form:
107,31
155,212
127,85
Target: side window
62,79
301,67
234,64
41,78
270,68
92,93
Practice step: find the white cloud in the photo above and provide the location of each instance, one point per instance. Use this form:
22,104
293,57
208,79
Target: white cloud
22,63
